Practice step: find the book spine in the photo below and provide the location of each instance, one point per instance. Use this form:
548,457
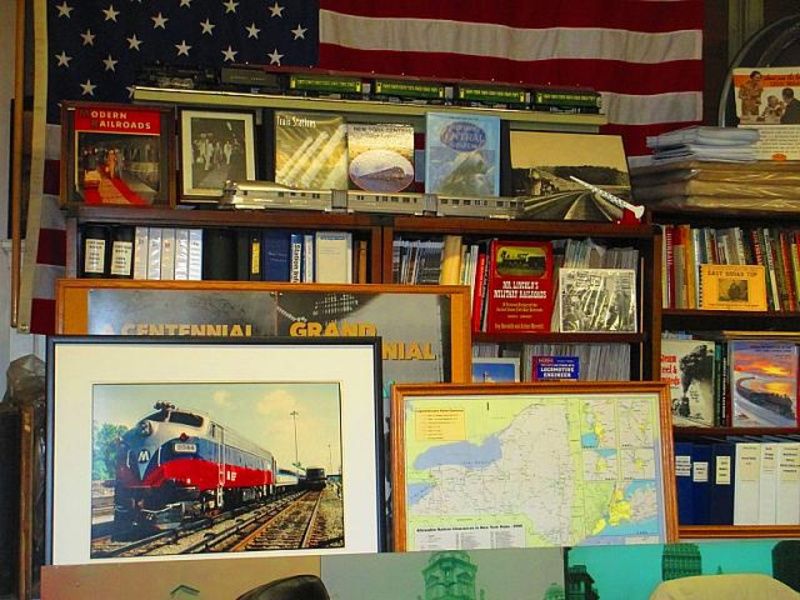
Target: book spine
722,478
121,261
669,242
141,245
296,258
308,258
362,262
195,254
182,254
746,486
794,258
769,260
780,271
154,253
683,482
788,271
787,496
767,484
168,254
481,276
275,255
242,255
690,265
95,249
701,484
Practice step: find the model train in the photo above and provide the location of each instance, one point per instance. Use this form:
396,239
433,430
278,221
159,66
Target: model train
369,86
176,464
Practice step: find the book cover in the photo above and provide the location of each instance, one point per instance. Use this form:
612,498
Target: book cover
555,368
746,485
787,495
597,300
310,151
689,368
733,287
275,255
722,477
462,155
520,286
333,256
380,156
764,383
495,370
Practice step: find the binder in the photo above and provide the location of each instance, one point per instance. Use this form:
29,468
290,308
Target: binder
722,477
701,483
242,255
767,483
168,253
182,254
195,254
254,271
746,486
219,255
275,255
683,482
296,257
154,253
787,496
141,244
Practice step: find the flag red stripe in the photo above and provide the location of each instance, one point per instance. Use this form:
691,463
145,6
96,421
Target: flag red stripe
602,75
634,135
52,176
43,316
650,17
52,247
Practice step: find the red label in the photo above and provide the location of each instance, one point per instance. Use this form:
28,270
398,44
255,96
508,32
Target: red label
121,119
520,294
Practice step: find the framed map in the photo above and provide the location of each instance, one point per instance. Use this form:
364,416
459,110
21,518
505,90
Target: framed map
524,465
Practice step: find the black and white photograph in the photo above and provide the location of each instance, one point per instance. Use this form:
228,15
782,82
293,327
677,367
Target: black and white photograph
216,146
597,300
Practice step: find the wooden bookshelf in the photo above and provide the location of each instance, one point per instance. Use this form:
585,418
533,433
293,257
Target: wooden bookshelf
696,532
690,432
712,320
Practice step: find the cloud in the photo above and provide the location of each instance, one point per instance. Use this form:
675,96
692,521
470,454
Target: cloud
222,398
277,404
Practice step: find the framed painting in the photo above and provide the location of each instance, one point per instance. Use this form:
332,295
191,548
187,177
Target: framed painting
216,146
525,465
162,448
117,154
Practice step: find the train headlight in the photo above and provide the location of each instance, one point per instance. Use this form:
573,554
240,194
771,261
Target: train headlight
145,428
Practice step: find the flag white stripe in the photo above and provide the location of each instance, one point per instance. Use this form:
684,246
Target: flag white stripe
501,41
674,107
52,142
44,285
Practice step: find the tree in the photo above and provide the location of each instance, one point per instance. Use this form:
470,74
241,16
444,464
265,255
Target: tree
104,452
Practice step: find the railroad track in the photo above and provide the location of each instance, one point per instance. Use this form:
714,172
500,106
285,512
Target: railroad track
288,530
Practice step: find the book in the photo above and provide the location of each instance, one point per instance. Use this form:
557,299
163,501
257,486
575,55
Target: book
168,253
722,479
495,370
787,493
181,254
597,300
767,484
219,258
195,254
746,487
733,287
95,250
520,286
683,482
333,256
380,156
555,368
763,383
242,255
701,483
310,151
308,258
462,155
296,257
121,259
275,255
689,368
254,256
451,261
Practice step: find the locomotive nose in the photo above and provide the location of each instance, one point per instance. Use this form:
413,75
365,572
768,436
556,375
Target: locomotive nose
145,428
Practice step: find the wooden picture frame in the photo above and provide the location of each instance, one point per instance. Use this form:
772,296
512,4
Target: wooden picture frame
270,447
216,146
146,307
480,466
117,154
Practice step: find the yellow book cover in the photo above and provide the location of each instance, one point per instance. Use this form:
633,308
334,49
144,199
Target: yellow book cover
733,287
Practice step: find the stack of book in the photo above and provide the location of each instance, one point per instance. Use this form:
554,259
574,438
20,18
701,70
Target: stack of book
738,481
704,143
731,382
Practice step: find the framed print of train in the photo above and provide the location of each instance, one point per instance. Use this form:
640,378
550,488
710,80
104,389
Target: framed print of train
238,450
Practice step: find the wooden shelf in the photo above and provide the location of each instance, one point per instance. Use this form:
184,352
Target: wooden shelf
687,532
518,227
200,217
718,431
520,118
560,338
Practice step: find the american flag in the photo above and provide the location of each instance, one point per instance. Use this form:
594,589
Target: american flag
645,57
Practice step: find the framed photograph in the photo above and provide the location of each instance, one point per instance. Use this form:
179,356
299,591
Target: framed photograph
215,146
495,370
524,465
117,154
164,448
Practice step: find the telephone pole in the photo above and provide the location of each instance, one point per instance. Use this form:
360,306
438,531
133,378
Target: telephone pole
294,414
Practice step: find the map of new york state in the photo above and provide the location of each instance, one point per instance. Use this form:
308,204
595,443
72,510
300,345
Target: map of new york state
524,471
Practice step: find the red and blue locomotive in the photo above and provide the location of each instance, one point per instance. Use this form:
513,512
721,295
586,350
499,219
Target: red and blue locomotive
175,464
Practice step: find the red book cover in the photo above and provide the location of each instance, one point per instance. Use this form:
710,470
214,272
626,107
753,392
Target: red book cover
669,233
477,300
520,291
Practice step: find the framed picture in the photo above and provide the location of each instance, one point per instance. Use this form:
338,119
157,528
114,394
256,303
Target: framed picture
495,370
215,146
117,154
522,465
160,448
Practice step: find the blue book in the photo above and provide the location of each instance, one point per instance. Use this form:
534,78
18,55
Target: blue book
701,483
275,255
462,155
683,482
296,257
723,461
